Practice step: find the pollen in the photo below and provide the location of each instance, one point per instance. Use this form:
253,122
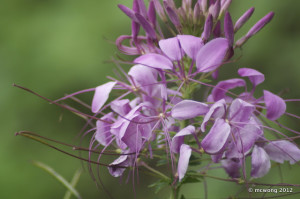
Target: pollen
135,89
162,115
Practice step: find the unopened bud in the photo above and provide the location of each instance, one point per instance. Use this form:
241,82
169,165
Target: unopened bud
260,24
243,19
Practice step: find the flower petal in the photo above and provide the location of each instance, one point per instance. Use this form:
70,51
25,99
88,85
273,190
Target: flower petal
188,109
282,150
101,95
232,167
217,137
155,61
245,139
275,105
254,76
190,44
260,162
223,86
103,134
171,48
211,55
121,107
217,110
132,136
184,158
145,77
240,111
114,167
178,139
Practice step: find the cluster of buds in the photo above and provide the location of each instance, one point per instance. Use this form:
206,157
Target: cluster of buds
168,103
203,20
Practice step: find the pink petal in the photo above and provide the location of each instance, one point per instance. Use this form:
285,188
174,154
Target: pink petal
115,169
254,76
232,167
101,95
190,44
184,158
103,134
171,48
282,150
240,111
217,110
217,137
275,105
188,109
211,55
178,139
260,162
155,61
219,92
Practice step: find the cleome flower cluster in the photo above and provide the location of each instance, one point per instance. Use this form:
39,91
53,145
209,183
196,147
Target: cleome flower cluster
166,100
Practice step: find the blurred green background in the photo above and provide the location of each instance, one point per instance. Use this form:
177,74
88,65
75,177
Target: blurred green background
58,46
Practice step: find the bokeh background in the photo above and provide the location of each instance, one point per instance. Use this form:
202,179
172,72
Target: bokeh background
62,46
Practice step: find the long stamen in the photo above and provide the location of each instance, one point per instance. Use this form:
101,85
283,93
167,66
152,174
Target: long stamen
62,106
25,134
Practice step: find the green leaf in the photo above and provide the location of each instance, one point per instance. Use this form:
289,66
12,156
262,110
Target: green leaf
57,177
158,185
74,182
161,162
191,179
182,197
194,160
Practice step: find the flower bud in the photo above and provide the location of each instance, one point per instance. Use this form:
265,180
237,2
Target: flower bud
214,9
203,5
243,19
228,28
146,25
224,6
172,15
260,24
207,28
142,8
152,13
159,9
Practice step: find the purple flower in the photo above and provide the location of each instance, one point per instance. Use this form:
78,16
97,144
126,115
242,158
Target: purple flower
239,123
